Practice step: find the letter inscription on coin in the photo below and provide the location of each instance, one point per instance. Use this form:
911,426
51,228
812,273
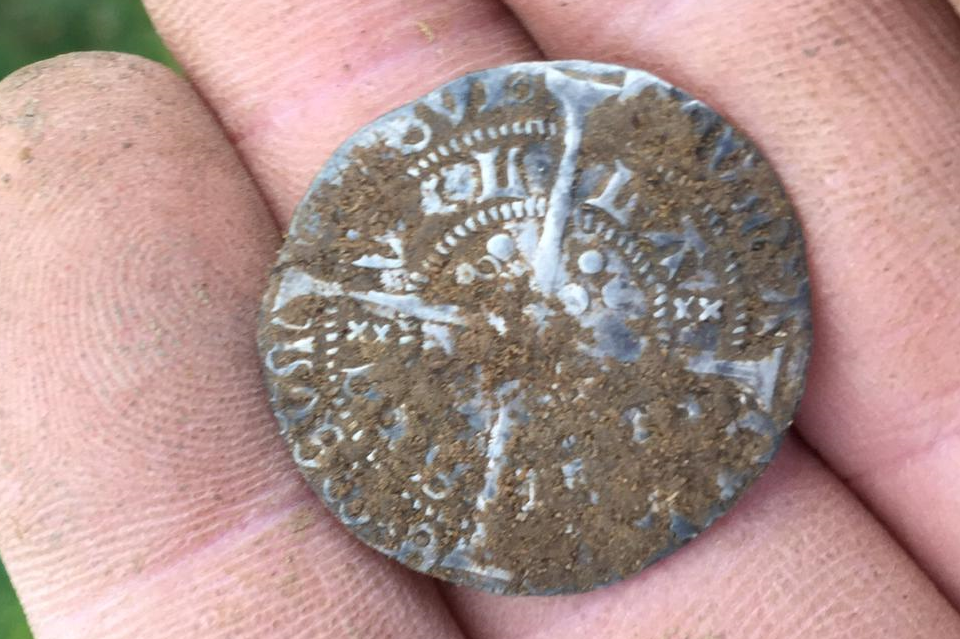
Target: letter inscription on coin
537,330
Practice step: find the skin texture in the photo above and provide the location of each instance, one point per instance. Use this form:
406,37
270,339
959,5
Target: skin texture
143,490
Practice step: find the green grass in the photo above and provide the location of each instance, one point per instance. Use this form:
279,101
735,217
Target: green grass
32,30
12,623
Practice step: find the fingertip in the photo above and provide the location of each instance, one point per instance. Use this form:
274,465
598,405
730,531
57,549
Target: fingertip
94,71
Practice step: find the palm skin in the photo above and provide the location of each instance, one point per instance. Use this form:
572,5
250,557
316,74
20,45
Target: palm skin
143,489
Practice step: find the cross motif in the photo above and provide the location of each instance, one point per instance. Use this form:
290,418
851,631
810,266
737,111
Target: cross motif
381,331
683,307
357,329
711,310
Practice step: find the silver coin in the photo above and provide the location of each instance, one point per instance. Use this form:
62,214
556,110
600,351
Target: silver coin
538,329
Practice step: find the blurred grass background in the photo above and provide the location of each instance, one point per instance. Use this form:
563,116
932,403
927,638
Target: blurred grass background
12,623
32,30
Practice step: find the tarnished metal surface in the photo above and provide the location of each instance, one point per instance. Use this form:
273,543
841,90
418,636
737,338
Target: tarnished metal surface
538,329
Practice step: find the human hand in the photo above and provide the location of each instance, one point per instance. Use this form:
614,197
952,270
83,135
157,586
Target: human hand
143,489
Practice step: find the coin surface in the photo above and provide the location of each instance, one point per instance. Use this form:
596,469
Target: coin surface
538,329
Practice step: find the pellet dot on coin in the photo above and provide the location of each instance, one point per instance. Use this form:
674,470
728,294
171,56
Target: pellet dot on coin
590,262
539,328
501,246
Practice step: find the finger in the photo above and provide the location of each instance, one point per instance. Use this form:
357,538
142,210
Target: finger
855,104
143,490
292,80
797,557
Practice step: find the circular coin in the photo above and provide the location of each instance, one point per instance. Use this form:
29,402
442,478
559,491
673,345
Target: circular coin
539,328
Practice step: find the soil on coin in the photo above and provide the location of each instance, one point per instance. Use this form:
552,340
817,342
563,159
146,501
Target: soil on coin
537,444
